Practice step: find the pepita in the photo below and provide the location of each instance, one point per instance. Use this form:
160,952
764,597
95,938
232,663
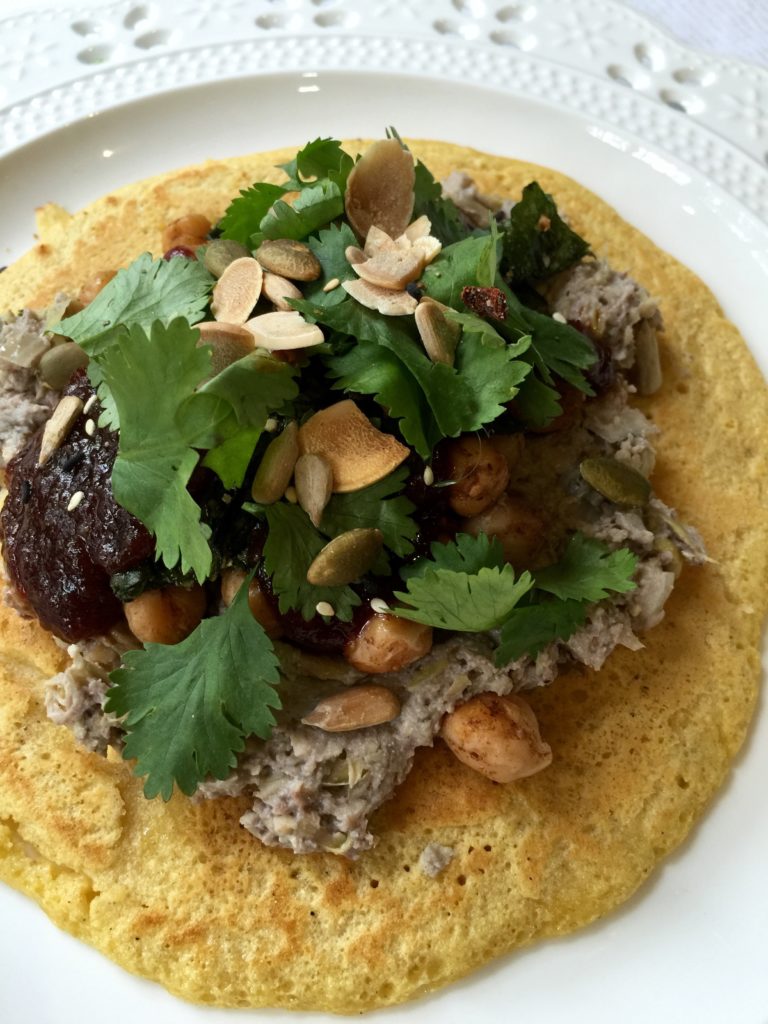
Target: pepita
58,426
288,258
359,707
276,467
648,376
345,558
314,485
221,252
616,481
237,291
59,363
439,335
380,189
278,290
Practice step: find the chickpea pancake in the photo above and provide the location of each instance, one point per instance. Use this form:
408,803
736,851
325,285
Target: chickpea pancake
179,892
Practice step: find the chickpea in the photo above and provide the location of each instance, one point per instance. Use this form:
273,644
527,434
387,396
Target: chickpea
167,615
480,471
261,609
510,446
497,736
514,523
387,644
190,230
93,286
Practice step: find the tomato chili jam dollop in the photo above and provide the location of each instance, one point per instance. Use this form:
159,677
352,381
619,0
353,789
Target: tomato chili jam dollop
61,550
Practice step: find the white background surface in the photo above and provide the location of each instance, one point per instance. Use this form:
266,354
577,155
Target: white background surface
690,948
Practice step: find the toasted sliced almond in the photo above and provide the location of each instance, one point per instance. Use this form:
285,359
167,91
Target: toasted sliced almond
276,467
356,451
380,189
288,258
393,270
419,228
237,291
354,255
282,331
386,301
346,558
359,707
439,335
278,290
314,485
229,342
58,426
427,248
377,241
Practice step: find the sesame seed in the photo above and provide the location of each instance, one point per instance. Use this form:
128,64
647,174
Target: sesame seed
226,499
324,608
330,285
560,318
271,425
75,500
291,495
90,428
379,605
89,405
428,476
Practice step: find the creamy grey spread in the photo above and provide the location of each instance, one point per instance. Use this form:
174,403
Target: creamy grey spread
312,790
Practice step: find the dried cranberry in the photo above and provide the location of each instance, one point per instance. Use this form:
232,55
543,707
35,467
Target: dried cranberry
490,302
180,250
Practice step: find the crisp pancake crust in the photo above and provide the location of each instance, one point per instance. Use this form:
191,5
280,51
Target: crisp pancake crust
180,893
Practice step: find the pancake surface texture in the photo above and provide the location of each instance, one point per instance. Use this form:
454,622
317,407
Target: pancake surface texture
180,893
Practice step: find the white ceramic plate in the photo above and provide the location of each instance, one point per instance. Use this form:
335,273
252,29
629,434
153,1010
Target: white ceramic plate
691,946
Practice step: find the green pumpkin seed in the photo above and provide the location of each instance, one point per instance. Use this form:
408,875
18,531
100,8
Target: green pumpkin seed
346,558
287,258
647,366
439,335
276,467
616,481
220,253
59,363
314,484
665,546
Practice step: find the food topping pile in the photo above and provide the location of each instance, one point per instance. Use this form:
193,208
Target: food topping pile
350,469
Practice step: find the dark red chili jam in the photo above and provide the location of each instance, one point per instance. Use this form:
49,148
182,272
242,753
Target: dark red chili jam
61,561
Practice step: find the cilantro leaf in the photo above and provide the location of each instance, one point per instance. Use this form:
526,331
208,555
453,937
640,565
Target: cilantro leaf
444,216
230,459
537,241
323,158
536,403
473,324
254,386
146,291
462,554
369,369
375,507
150,376
588,571
528,630
329,247
312,209
189,707
431,400
467,602
244,215
291,546
459,265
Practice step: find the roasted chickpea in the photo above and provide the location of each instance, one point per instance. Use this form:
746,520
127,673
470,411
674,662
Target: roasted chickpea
480,471
261,609
387,644
167,615
497,736
510,446
514,523
190,230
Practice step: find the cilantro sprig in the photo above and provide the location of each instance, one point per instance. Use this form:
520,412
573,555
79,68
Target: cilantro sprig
188,708
466,586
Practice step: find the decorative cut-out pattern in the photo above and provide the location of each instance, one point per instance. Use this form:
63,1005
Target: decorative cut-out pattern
584,38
